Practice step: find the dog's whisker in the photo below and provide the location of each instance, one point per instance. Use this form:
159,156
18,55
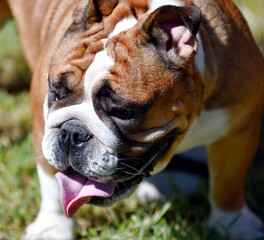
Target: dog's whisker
129,158
119,181
124,184
116,185
137,171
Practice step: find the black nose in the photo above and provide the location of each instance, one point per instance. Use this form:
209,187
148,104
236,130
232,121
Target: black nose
73,133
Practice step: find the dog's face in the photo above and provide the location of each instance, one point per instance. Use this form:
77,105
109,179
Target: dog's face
122,91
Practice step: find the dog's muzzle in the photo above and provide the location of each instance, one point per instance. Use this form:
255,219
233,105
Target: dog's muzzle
93,172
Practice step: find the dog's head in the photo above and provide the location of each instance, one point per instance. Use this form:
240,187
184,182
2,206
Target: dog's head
122,94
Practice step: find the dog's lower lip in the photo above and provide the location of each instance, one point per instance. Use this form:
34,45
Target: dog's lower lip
98,190
128,184
121,188
76,189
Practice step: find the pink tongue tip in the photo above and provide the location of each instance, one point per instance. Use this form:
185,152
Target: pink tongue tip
76,190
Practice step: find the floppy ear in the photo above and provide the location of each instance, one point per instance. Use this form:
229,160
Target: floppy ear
172,30
88,12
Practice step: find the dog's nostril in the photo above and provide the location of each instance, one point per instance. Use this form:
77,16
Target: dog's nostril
75,137
63,134
78,138
74,132
64,137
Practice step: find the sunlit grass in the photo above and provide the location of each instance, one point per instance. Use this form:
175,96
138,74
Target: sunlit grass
15,115
14,73
178,218
18,188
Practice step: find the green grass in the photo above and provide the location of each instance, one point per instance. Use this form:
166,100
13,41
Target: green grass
18,184
15,115
178,218
19,201
14,73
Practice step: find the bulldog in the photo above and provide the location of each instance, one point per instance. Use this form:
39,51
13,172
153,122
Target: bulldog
120,86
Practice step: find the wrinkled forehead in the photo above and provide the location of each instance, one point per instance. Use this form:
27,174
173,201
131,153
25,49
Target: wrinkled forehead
87,51
94,52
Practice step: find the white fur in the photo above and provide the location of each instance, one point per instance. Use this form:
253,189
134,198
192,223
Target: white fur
50,223
162,186
86,114
102,61
241,224
206,129
155,4
123,25
209,127
148,192
99,68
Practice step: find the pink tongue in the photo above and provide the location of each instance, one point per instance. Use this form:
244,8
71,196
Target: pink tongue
76,190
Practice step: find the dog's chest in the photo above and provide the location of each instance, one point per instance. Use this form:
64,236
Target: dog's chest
208,128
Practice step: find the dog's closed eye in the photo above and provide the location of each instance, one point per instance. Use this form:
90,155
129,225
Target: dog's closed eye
117,108
58,88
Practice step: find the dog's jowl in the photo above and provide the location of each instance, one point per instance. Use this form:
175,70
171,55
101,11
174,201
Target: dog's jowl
120,86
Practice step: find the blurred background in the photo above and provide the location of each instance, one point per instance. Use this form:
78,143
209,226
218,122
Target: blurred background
18,181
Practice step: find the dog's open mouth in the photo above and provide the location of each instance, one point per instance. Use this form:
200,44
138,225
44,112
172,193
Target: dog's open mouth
76,190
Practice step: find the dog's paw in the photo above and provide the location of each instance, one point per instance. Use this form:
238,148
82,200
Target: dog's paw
148,192
163,185
50,227
242,225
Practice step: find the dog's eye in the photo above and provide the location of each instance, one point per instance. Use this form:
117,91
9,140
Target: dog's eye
117,112
122,113
113,106
55,96
58,87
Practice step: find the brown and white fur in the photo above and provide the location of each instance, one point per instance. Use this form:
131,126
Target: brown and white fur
146,78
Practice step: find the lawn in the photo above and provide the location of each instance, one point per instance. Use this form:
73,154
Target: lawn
177,218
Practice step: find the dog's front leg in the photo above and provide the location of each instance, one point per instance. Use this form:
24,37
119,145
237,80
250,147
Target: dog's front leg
50,223
229,160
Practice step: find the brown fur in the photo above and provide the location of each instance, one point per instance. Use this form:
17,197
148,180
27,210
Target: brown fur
227,42
5,12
